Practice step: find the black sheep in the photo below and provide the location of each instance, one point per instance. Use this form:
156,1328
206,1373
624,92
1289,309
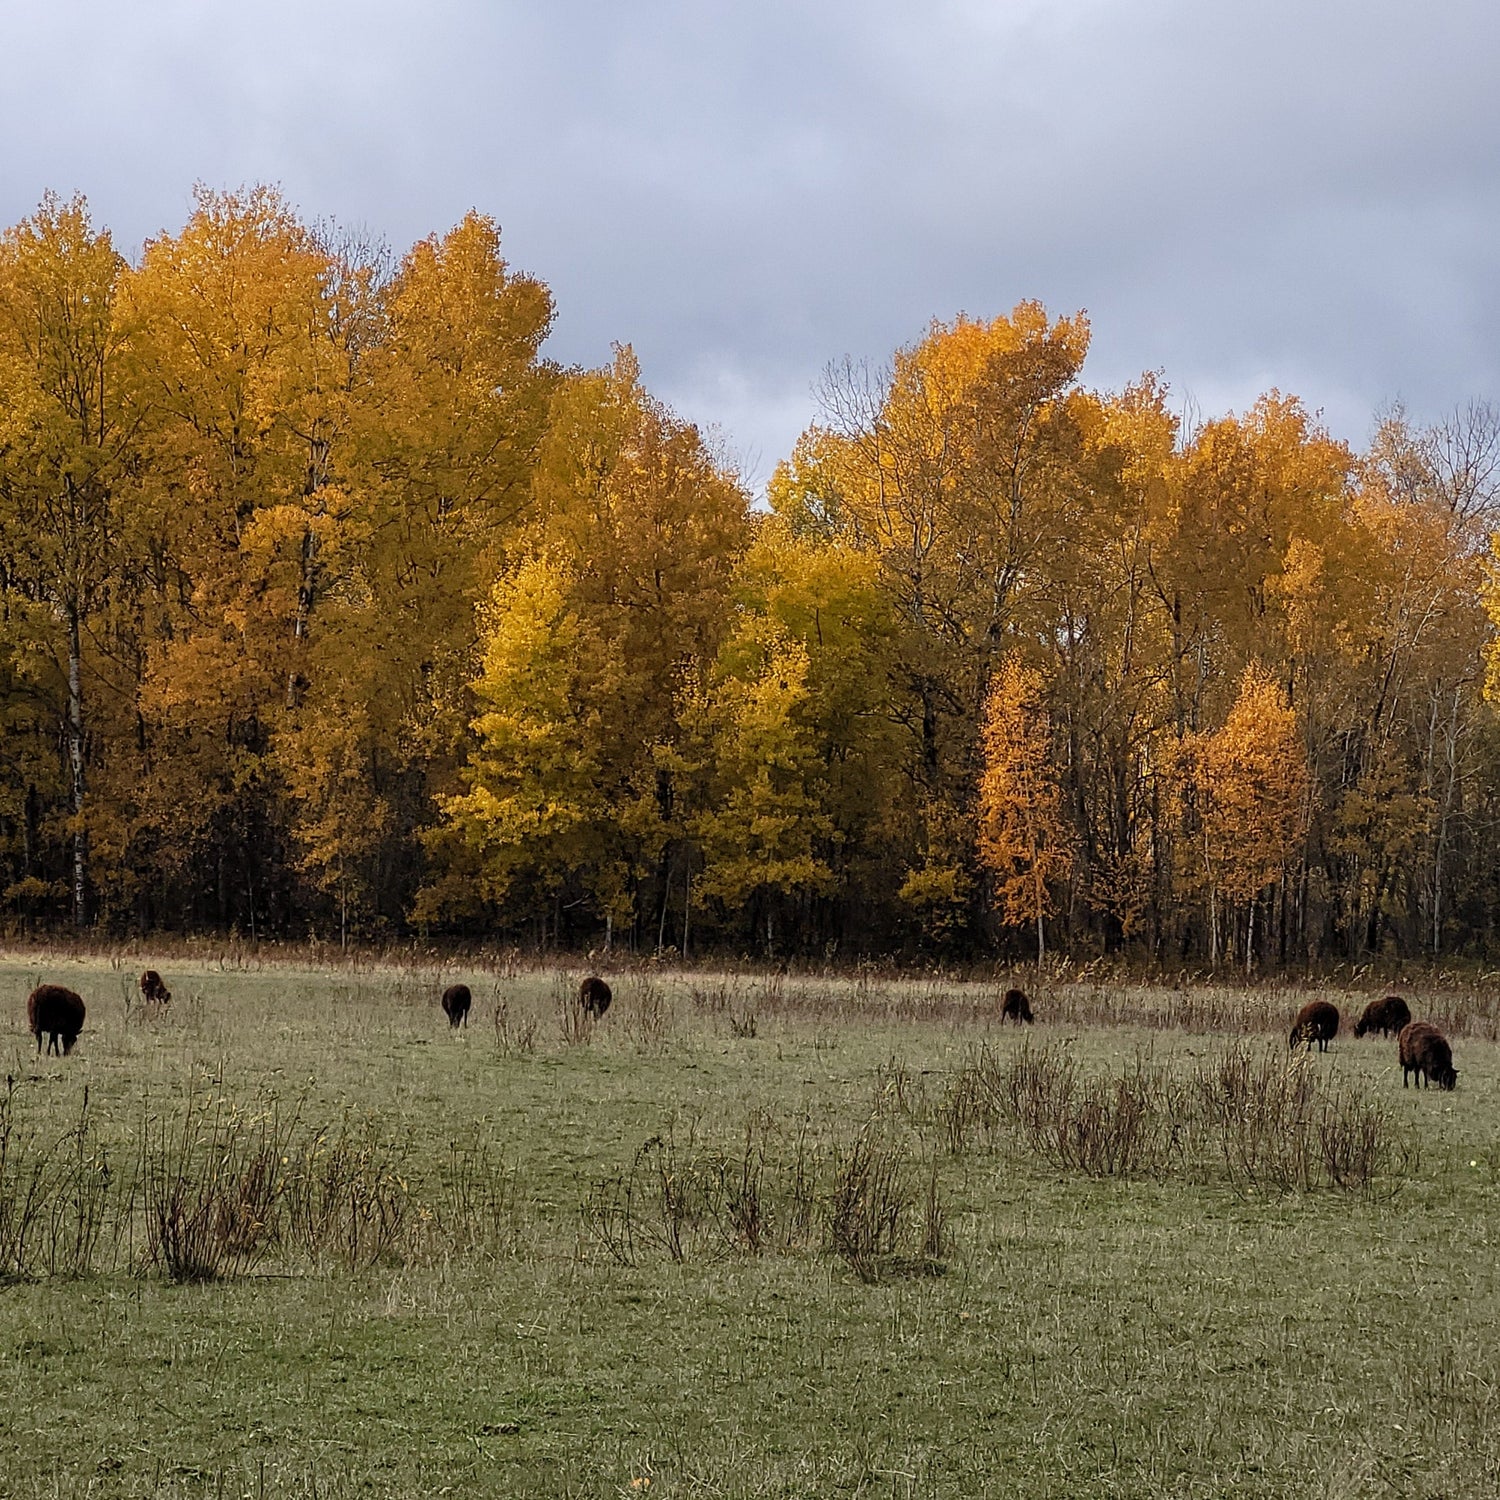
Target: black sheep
57,1011
154,989
1016,1008
594,996
1384,1016
1424,1050
1317,1021
456,1002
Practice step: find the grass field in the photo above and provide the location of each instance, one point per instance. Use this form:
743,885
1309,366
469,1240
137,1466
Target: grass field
746,1237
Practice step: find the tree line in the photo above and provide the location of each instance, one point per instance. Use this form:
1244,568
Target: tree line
328,605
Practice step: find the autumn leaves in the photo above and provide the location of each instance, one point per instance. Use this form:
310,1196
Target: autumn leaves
328,602
1211,692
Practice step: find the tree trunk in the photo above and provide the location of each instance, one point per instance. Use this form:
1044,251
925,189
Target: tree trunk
75,764
666,895
305,586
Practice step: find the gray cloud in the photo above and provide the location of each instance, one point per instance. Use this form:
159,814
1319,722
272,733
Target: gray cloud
1241,195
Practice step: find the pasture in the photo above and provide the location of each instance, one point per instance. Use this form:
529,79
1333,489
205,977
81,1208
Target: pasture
745,1236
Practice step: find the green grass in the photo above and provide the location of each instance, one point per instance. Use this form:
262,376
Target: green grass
1172,1334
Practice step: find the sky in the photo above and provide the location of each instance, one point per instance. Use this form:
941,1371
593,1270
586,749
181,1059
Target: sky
1242,194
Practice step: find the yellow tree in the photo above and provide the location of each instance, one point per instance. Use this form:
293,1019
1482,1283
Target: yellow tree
536,810
447,403
1110,640
249,361
453,403
1023,835
763,828
806,669
66,421
636,536
964,472
337,453
1250,787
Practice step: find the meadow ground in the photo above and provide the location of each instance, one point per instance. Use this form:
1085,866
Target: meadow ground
746,1237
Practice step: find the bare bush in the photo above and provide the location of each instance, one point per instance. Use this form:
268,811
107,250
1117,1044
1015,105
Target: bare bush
478,1210
650,1014
346,1200
656,1205
1250,1116
873,1223
515,1033
55,1197
772,1192
209,1184
712,997
1284,1124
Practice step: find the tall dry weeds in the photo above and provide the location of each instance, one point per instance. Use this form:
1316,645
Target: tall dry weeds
1248,1116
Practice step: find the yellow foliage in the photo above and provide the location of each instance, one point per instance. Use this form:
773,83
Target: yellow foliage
1023,837
1251,785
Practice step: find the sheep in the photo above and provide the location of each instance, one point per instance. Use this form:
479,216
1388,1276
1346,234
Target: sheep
1424,1050
594,996
1384,1016
152,988
1317,1021
59,1012
456,1002
1016,1008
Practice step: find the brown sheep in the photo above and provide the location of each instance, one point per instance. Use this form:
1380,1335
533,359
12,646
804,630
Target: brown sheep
1424,1050
153,989
1016,1008
1384,1016
594,996
1317,1021
59,1012
456,1002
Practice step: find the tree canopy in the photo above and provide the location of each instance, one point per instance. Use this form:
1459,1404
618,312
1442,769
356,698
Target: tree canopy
329,605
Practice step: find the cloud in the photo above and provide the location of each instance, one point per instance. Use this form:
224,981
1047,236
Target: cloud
1240,194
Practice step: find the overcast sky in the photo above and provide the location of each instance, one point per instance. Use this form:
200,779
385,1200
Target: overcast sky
1293,193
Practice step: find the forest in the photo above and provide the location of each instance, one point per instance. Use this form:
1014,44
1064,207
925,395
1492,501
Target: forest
331,608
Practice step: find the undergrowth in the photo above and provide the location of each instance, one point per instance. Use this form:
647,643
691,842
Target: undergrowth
1251,1117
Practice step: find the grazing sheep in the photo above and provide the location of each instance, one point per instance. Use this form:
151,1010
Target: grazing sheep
1016,1008
59,1012
456,1002
152,988
1424,1050
1317,1021
594,996
1384,1016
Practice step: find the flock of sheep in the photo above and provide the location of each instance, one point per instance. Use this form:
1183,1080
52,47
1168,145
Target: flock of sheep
593,999
1420,1047
56,1012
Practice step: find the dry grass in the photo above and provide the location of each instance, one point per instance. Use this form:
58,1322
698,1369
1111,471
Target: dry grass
505,1261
